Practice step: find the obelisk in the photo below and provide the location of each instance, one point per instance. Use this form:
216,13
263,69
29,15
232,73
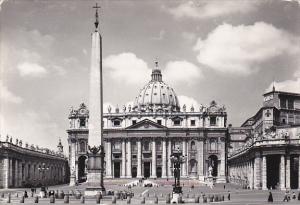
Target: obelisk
95,149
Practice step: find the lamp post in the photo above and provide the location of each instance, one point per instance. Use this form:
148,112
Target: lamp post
42,169
177,159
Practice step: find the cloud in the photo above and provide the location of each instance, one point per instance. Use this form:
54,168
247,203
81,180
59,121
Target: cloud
189,36
240,50
182,72
160,36
287,86
127,68
33,127
188,101
297,73
1,2
31,69
211,9
8,96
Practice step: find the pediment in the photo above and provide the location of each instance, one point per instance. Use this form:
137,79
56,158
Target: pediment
146,124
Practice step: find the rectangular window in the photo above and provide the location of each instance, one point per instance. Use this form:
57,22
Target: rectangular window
133,122
193,122
158,156
159,122
176,122
117,123
290,103
282,103
213,121
133,156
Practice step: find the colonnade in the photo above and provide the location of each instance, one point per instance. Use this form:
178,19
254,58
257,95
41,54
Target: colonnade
18,172
252,173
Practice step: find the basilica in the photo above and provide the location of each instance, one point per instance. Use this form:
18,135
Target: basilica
140,139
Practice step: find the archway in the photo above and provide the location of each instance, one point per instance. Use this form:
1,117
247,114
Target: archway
273,166
213,163
81,169
193,167
158,172
294,172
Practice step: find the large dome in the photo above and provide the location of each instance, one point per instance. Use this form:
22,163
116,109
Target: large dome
156,96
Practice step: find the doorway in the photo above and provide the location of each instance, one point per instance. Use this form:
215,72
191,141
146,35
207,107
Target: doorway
134,172
147,168
213,163
117,169
82,169
158,172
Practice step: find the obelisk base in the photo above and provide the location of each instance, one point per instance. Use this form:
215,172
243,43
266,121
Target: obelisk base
95,172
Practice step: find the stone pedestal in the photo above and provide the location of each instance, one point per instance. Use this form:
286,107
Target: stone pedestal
221,179
210,181
95,172
72,180
175,198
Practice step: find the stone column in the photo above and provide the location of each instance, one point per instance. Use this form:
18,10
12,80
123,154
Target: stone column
129,174
200,159
123,173
72,164
282,172
288,172
20,173
139,159
170,174
264,173
16,174
299,172
257,172
251,175
221,177
153,173
184,154
164,158
108,160
10,172
6,173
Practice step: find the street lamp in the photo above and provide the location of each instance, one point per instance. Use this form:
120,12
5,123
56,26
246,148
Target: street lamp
177,159
42,169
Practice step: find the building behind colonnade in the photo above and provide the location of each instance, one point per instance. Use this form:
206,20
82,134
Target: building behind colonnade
265,151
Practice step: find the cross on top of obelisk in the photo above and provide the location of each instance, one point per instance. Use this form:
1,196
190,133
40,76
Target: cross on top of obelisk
96,15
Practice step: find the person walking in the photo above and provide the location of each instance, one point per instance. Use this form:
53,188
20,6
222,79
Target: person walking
285,197
228,197
270,198
294,196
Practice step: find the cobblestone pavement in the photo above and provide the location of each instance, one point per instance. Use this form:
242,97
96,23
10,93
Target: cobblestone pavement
238,195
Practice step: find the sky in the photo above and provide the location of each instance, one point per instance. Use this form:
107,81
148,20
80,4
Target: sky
230,51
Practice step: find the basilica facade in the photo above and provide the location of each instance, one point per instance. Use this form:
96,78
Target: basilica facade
140,139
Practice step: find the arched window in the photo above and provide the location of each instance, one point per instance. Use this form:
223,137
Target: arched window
193,145
82,122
